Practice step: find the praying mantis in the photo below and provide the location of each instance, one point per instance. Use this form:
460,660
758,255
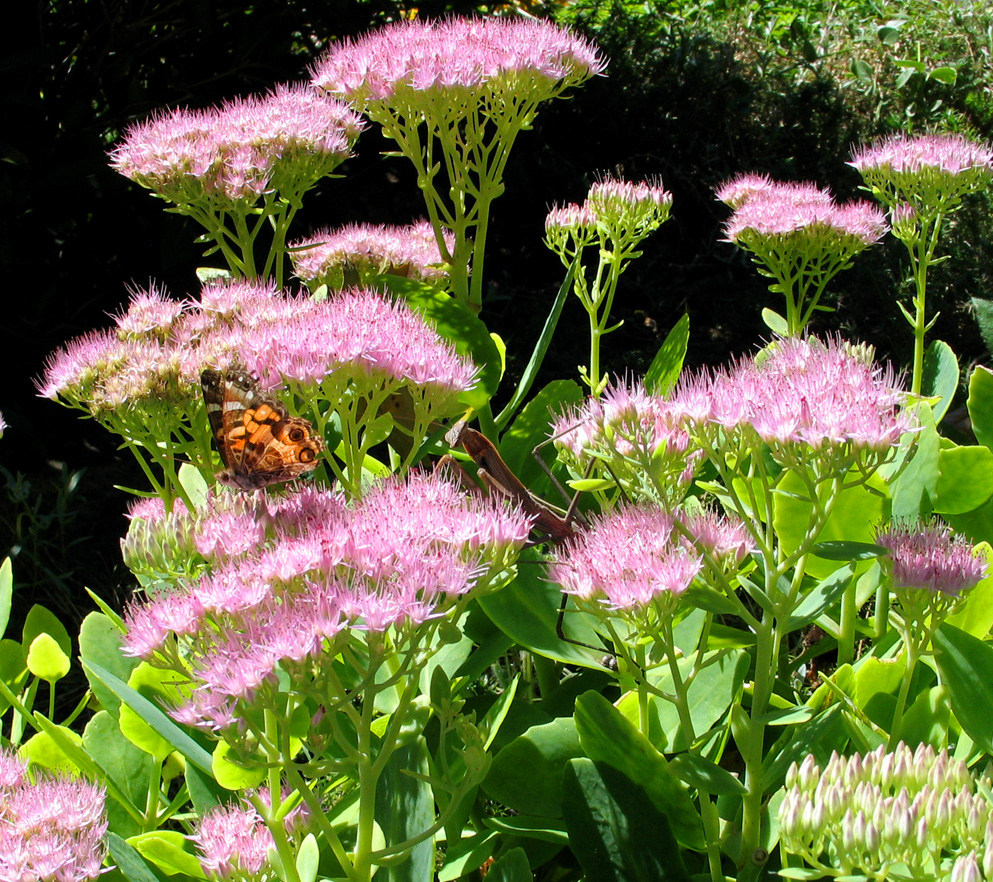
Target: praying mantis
498,479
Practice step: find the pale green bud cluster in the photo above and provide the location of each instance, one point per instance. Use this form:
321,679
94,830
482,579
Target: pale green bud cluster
160,548
920,810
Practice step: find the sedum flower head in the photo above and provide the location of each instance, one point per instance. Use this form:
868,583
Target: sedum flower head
929,557
230,156
802,217
799,236
234,842
315,574
620,213
929,172
863,814
644,443
354,256
801,395
630,560
412,63
51,826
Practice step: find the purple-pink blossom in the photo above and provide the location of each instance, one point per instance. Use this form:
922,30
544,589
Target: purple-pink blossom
952,154
311,569
776,211
233,840
52,828
369,250
534,59
627,560
359,336
286,141
930,557
801,392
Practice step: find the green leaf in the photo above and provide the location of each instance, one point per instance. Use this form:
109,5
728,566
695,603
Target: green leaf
818,599
100,643
857,510
980,404
6,593
705,776
667,365
232,774
940,378
404,808
43,621
775,322
915,486
149,683
538,353
527,774
965,479
847,551
530,827
167,850
46,660
53,749
129,767
154,717
965,664
308,859
608,737
946,75
512,866
527,610
465,855
617,833
128,861
984,318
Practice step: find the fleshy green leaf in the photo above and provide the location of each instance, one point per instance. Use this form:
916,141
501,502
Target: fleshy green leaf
46,660
940,378
43,621
6,593
965,479
965,664
667,365
615,830
980,404
527,774
527,611
167,850
608,737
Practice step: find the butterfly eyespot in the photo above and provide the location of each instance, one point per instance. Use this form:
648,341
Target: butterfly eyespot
308,454
297,434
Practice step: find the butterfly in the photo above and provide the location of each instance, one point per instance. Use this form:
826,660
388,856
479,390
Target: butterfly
259,442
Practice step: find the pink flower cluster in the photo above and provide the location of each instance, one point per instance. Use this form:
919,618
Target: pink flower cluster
766,209
233,841
929,557
289,576
805,392
622,208
534,58
285,141
909,154
51,830
633,557
797,393
159,347
368,250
